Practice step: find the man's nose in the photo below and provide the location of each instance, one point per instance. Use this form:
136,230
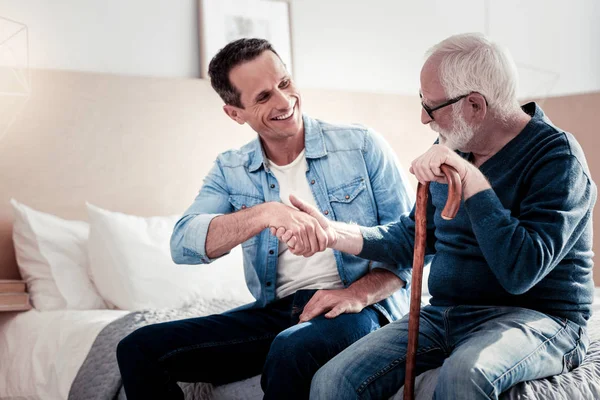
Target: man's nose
282,100
425,118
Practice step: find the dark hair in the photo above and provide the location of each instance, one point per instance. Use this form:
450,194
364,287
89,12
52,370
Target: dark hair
230,56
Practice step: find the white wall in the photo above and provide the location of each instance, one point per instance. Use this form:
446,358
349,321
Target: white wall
132,37
359,45
378,45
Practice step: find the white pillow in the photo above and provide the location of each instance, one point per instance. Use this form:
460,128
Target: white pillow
132,268
52,257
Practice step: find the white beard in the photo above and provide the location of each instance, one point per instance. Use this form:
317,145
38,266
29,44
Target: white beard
460,134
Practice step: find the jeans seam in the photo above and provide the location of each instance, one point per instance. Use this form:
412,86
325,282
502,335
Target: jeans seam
361,388
215,344
543,344
447,326
577,332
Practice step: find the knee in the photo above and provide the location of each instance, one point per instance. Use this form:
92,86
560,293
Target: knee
130,347
330,382
127,348
463,379
290,350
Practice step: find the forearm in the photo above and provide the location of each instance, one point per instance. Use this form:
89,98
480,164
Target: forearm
349,239
375,286
227,231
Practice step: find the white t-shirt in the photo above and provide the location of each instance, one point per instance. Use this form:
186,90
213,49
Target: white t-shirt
298,272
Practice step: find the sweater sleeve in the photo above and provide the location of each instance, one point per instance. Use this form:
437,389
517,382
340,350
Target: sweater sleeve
522,247
394,243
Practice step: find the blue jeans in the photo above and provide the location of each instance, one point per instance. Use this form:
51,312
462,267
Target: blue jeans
236,345
482,350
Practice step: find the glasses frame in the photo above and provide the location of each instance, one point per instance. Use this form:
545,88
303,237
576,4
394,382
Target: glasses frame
430,110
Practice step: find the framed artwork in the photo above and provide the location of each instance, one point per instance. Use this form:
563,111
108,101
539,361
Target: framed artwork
222,21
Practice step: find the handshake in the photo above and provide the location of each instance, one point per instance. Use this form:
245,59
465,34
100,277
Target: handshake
305,231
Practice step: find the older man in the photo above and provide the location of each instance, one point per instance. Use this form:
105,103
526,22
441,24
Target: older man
511,276
310,306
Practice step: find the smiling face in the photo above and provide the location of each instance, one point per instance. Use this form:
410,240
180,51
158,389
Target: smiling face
272,104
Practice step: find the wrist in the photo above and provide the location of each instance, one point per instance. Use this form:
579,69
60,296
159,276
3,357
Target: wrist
334,237
267,214
473,182
359,295
347,238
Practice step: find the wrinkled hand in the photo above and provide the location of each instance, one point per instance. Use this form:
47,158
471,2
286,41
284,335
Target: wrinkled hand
426,167
333,303
294,237
310,237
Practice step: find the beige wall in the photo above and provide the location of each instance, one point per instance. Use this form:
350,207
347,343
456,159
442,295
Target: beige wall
142,145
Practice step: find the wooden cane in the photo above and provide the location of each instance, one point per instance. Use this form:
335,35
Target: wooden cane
449,212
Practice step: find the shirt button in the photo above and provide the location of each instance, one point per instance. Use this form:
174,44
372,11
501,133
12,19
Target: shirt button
326,212
243,206
268,283
312,182
271,252
272,186
347,197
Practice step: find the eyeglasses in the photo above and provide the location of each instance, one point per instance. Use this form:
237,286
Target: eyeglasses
430,110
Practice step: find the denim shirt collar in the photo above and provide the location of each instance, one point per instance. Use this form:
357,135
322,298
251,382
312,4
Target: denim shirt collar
314,144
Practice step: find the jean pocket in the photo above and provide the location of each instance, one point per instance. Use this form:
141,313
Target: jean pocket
301,298
573,358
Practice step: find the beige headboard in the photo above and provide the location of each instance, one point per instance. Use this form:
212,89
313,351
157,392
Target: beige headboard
143,145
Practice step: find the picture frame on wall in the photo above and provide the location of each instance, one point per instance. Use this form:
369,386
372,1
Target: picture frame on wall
222,21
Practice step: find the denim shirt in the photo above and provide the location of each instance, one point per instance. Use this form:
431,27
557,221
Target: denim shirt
354,176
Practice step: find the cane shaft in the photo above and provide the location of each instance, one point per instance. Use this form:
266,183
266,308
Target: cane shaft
449,212
415,291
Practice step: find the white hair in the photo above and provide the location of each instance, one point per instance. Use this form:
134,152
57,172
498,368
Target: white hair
471,62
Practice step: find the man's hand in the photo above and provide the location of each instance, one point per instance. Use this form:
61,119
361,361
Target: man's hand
426,168
309,235
376,285
295,240
333,303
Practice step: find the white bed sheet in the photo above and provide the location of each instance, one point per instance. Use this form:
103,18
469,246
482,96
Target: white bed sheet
41,351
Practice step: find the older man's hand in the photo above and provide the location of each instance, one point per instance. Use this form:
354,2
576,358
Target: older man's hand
427,168
293,236
307,231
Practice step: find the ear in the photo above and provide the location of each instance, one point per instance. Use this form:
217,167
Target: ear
476,108
234,113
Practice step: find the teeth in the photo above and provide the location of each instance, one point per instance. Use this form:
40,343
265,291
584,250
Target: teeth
285,116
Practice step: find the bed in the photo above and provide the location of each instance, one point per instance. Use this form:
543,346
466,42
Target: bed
51,354
139,147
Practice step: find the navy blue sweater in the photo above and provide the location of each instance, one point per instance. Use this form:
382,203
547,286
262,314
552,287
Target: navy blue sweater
527,242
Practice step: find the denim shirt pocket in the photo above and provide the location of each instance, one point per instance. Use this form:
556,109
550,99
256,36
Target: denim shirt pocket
241,202
351,203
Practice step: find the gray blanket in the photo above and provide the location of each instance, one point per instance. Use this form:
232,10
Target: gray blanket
98,377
